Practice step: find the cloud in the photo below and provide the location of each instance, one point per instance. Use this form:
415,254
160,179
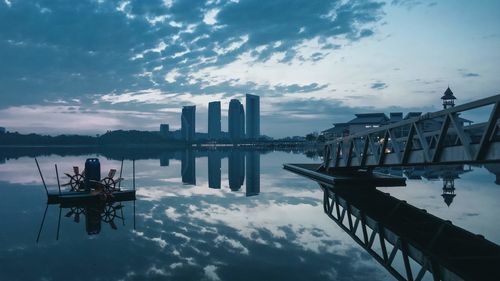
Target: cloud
409,4
210,272
471,74
379,85
295,88
467,74
97,47
74,119
119,59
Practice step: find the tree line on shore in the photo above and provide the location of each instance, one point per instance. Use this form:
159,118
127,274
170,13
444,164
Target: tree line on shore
120,137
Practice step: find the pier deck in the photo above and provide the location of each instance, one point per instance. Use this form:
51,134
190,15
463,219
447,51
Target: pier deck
357,177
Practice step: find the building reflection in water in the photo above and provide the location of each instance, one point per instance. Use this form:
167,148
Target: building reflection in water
236,169
447,173
494,169
253,173
165,159
188,167
214,169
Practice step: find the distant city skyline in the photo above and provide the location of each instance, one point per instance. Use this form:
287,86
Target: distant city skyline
134,64
236,121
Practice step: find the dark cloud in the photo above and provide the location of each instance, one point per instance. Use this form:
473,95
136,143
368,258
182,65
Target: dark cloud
467,74
379,85
471,74
410,4
295,88
406,3
63,50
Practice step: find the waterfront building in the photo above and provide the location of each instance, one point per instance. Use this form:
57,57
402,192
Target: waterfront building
164,130
253,116
448,98
214,120
366,121
188,123
236,122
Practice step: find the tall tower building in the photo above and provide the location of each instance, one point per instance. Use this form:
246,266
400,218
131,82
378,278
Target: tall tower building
448,99
236,124
253,116
214,127
188,122
242,122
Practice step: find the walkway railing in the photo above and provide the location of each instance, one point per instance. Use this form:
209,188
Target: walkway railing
432,138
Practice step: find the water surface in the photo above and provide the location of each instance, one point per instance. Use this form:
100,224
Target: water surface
210,215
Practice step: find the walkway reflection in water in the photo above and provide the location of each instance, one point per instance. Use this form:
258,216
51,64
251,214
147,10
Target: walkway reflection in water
390,229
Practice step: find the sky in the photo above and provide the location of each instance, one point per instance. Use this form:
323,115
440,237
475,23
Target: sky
86,67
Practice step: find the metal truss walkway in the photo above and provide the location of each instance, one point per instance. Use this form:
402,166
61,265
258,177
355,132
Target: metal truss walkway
410,243
434,138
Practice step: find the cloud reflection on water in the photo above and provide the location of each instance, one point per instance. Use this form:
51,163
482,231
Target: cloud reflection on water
197,232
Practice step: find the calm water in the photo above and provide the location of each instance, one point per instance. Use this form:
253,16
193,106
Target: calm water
232,215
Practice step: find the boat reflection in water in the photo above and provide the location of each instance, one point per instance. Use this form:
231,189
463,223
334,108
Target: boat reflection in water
95,214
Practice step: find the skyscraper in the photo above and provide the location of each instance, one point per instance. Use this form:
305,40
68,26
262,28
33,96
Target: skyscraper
188,120
242,121
214,127
253,116
236,122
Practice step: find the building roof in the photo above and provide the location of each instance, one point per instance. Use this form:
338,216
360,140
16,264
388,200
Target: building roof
448,95
369,118
395,117
412,115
